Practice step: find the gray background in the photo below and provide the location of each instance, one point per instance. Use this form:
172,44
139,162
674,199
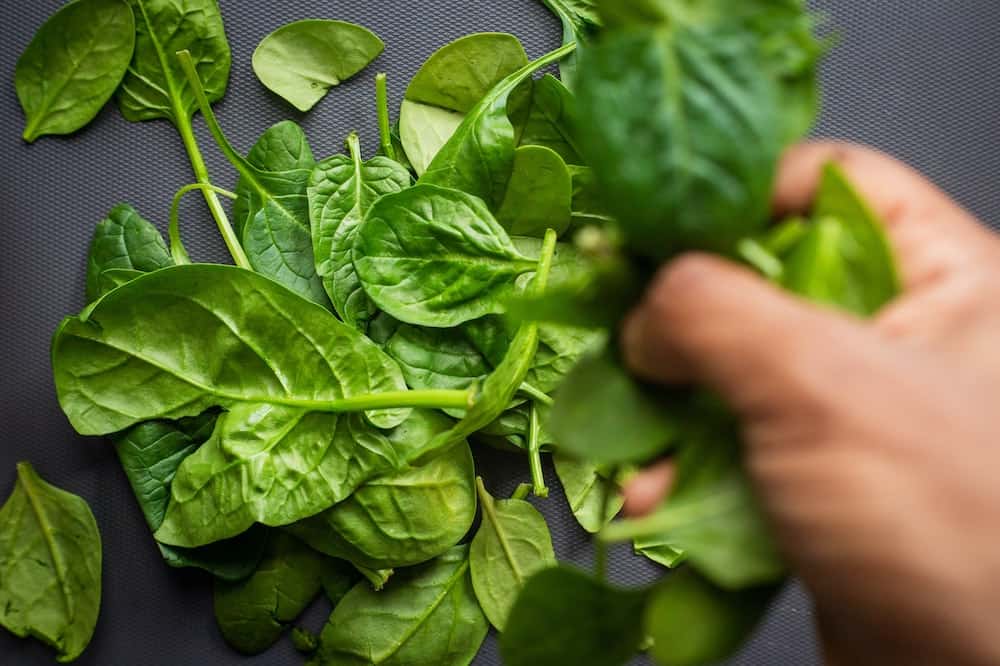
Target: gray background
916,78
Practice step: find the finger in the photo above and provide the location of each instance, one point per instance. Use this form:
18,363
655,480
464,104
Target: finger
710,321
928,230
649,488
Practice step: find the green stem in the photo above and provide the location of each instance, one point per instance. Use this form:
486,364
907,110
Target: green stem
384,128
430,399
544,263
177,250
535,453
758,257
522,491
184,128
535,394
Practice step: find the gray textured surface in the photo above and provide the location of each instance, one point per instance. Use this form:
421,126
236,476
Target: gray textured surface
914,77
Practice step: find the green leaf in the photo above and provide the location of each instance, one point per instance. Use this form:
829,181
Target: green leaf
337,579
73,65
691,622
150,454
50,565
404,518
155,86
564,617
539,195
252,614
580,21
123,241
435,358
425,616
449,85
436,257
301,61
480,154
511,545
844,258
341,190
605,416
549,122
688,161
712,514
587,491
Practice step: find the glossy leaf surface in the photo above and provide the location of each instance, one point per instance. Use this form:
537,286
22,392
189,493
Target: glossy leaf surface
123,240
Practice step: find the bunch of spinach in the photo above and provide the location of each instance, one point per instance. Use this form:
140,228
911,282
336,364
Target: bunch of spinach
303,420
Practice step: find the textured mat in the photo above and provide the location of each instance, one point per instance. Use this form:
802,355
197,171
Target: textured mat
916,78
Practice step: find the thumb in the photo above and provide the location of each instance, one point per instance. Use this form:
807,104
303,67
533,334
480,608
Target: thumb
713,322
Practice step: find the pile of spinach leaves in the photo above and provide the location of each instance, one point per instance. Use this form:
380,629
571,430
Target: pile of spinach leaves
301,422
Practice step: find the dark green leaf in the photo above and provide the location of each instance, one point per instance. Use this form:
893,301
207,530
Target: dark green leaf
563,617
301,61
425,616
73,65
691,622
511,545
123,241
341,190
50,565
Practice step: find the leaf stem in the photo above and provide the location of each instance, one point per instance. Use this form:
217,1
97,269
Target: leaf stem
535,453
184,128
544,263
536,394
430,399
177,250
521,492
384,128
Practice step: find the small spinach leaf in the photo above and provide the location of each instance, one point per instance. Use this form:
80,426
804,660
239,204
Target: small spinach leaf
580,21
587,490
301,61
123,241
73,65
511,545
425,616
565,617
50,565
539,195
341,190
549,123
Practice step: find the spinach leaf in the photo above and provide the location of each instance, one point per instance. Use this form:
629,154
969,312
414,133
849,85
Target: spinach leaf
580,21
50,565
404,518
253,613
539,195
123,241
436,257
337,579
605,416
425,616
448,86
150,454
660,549
341,190
692,622
436,358
301,61
564,617
549,123
73,65
589,493
480,154
511,545
844,258
712,514
155,86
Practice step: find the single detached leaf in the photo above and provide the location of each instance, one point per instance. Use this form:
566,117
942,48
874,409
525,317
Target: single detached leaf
539,195
511,545
691,622
123,241
449,85
480,154
50,565
604,416
155,86
588,493
436,257
301,61
341,190
564,617
404,518
425,616
73,65
253,613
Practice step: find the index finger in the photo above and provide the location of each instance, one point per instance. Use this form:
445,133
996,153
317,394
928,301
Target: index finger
928,230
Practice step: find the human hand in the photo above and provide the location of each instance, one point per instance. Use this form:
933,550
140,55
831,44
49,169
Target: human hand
873,445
